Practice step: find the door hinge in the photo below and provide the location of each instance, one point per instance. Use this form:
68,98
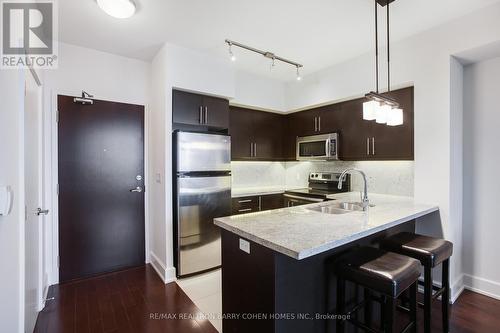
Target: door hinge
57,116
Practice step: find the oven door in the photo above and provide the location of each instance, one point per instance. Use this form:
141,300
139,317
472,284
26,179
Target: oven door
292,200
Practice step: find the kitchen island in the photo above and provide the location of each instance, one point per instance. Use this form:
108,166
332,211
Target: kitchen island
277,266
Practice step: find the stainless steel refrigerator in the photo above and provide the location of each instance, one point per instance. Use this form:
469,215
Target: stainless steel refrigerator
202,192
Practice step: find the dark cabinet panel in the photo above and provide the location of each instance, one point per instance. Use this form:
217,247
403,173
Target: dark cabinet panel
256,203
268,135
241,132
354,134
272,201
256,135
216,112
187,108
395,142
366,140
245,205
199,110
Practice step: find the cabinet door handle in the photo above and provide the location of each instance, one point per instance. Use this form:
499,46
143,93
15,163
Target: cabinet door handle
251,149
206,114
367,146
245,201
315,124
245,210
201,115
319,124
255,150
373,146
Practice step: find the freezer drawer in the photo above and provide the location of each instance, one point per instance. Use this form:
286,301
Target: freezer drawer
202,152
200,200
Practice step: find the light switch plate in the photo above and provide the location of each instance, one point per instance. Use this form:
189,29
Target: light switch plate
244,246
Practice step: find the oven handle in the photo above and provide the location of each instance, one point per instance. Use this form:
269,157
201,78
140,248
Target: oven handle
302,198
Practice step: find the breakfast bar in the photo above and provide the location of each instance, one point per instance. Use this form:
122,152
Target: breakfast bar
277,266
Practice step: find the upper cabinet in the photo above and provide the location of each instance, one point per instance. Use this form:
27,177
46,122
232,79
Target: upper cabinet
200,110
366,140
256,135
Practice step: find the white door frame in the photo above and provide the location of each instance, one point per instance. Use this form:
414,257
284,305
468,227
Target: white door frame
51,178
38,299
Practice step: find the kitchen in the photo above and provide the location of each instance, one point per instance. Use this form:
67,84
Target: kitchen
260,158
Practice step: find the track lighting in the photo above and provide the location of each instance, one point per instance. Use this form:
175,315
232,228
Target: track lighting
267,54
298,74
231,54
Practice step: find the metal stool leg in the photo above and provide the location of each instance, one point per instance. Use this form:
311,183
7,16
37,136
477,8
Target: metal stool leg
413,306
427,298
340,304
445,297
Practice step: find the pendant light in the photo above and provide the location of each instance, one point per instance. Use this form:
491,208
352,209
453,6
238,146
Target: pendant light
382,109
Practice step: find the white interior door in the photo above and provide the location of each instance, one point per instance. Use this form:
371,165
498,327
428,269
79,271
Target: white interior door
33,221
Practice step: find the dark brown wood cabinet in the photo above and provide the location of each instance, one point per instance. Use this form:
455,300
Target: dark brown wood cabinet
366,140
256,203
199,110
321,120
256,135
272,201
265,136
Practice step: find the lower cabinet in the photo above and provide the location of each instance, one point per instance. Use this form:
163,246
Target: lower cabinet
257,203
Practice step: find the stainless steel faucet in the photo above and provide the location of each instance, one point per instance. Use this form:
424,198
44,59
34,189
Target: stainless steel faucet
364,199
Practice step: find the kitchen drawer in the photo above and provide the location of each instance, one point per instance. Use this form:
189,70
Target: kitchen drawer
245,205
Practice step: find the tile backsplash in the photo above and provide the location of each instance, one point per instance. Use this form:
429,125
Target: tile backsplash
386,177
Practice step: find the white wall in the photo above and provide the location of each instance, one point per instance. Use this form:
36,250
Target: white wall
12,226
107,77
424,61
259,92
481,182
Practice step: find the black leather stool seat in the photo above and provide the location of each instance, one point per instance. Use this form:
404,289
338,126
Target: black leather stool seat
385,272
430,251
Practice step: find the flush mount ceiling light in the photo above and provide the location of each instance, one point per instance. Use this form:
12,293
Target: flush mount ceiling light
117,8
382,109
270,55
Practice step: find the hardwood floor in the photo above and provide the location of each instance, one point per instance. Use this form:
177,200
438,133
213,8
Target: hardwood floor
125,301
120,302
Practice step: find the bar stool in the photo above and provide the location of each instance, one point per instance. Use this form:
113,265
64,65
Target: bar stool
430,252
386,273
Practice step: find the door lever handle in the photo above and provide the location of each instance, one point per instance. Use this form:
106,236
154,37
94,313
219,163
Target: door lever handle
138,189
40,211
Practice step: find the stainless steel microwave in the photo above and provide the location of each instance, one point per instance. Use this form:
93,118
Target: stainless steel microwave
318,147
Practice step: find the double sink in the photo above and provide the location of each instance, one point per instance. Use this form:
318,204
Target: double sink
339,208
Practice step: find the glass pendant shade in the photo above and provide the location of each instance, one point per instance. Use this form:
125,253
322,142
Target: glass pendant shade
382,113
395,117
370,110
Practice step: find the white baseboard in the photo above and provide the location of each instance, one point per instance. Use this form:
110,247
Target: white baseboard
167,274
482,286
457,288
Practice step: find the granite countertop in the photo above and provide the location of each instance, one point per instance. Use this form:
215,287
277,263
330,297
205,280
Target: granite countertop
301,233
239,192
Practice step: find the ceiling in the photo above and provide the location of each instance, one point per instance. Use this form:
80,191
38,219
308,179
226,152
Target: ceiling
316,33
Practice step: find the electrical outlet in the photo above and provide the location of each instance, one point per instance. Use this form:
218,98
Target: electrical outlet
244,246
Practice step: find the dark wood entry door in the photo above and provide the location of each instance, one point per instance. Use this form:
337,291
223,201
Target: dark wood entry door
101,159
